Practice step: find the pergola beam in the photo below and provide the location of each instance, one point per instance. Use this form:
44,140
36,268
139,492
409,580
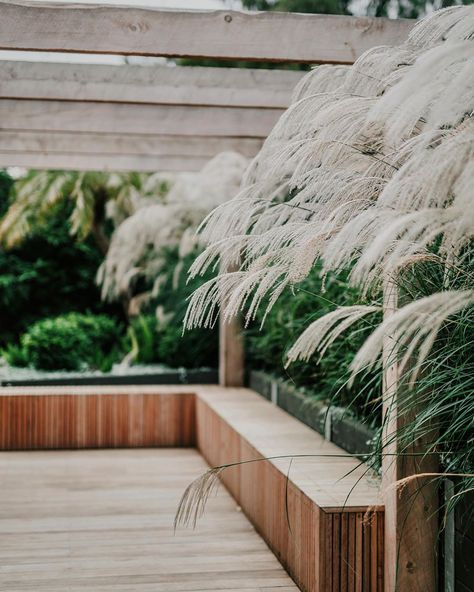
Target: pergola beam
120,118
102,162
95,151
212,87
47,142
129,30
134,117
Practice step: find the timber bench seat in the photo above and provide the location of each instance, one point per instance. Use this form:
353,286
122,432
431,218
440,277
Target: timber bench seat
319,512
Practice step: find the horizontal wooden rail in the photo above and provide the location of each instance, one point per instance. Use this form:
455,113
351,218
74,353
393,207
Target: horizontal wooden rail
102,162
129,30
85,135
139,152
218,87
64,116
77,116
46,142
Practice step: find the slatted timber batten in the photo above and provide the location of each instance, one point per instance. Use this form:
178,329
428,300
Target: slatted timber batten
102,162
93,419
326,538
218,87
143,137
329,542
129,30
144,118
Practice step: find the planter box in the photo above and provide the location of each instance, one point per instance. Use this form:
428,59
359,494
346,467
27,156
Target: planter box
173,377
334,423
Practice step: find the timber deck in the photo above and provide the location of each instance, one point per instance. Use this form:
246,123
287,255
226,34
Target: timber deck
102,521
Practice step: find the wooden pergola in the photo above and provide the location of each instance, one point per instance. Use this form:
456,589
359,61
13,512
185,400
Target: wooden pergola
149,118
157,118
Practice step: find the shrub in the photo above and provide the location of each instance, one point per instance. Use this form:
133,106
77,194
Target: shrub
152,342
326,379
163,342
49,274
70,342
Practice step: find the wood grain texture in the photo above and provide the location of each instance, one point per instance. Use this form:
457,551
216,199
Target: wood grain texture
121,118
102,162
102,521
130,30
326,540
231,353
411,514
131,145
312,511
63,420
217,87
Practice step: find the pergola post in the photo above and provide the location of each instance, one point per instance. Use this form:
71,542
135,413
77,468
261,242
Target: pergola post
231,353
411,519
231,346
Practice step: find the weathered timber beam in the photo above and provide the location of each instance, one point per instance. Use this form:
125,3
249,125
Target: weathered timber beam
102,162
72,116
130,30
46,142
224,87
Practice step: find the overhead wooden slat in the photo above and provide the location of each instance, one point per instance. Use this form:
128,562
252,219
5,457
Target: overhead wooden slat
130,30
102,162
71,116
130,144
95,151
225,87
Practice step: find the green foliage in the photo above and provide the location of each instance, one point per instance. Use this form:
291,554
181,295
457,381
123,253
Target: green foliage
305,6
163,341
153,343
142,334
88,195
400,8
6,186
15,355
47,275
69,342
440,405
326,379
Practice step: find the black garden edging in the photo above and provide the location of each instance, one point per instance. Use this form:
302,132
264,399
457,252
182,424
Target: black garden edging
333,423
172,377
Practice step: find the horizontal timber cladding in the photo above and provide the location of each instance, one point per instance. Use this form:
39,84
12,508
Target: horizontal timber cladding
180,85
325,549
49,421
129,30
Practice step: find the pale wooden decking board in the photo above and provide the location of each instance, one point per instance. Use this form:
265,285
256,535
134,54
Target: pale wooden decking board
102,521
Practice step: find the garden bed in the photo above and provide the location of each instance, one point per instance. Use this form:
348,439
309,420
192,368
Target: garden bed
153,374
333,423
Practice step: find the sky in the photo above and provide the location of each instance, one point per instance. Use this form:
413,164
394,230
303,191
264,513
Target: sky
103,59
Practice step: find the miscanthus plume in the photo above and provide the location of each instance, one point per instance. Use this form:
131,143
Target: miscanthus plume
371,168
136,249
